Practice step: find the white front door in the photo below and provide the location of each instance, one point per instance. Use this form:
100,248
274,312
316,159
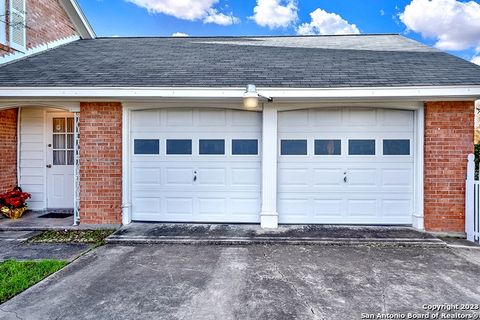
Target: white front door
196,165
349,165
60,160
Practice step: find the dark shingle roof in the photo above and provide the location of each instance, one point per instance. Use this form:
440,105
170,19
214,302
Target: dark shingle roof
307,62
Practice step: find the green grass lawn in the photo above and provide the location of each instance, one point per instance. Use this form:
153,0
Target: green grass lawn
16,276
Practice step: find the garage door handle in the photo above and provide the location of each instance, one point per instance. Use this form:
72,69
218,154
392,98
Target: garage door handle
195,176
345,179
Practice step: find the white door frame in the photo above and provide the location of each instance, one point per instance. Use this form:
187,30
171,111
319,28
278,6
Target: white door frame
269,215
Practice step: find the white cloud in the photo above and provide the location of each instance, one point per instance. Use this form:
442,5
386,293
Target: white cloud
324,22
476,60
382,12
220,18
187,10
180,34
453,24
275,13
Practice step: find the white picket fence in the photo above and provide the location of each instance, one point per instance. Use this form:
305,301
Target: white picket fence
472,202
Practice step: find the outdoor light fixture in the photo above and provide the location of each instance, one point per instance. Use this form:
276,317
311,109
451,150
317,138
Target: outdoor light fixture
251,96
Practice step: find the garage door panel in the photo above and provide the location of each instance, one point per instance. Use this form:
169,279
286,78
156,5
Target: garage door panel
244,206
361,117
293,177
362,207
146,176
396,207
246,177
178,205
327,208
329,117
212,206
212,176
178,176
178,117
212,117
327,177
397,177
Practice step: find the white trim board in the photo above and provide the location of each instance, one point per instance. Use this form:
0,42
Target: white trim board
43,47
78,18
278,94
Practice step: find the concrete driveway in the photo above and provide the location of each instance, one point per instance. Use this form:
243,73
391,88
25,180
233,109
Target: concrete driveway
251,282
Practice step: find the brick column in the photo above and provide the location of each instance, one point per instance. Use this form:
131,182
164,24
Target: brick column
100,163
449,130
8,149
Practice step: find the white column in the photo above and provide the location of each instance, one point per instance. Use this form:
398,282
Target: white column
418,221
269,215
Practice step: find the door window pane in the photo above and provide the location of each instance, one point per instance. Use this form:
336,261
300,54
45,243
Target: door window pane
70,141
361,147
244,146
179,146
70,125
59,157
146,146
212,146
58,141
396,147
70,159
293,147
58,125
328,147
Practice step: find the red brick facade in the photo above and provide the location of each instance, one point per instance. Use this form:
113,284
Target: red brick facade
449,130
8,149
46,22
100,163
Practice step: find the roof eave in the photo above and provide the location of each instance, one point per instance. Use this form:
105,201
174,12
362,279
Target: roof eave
419,93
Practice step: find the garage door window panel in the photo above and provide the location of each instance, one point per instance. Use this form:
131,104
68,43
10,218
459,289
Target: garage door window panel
179,147
212,147
293,148
361,147
244,147
146,146
328,147
398,147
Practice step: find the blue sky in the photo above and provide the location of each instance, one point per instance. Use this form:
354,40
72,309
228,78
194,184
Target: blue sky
450,25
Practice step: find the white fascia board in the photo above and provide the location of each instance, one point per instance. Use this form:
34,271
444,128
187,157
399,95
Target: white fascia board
78,18
278,94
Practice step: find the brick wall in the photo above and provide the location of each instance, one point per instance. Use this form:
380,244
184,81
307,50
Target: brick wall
448,140
8,149
100,163
46,22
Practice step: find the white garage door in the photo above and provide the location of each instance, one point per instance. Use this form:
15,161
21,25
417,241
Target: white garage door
352,166
196,165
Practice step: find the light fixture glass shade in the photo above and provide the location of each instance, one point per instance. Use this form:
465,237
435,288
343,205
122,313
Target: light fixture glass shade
250,102
250,98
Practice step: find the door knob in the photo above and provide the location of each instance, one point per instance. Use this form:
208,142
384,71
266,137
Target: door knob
49,166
